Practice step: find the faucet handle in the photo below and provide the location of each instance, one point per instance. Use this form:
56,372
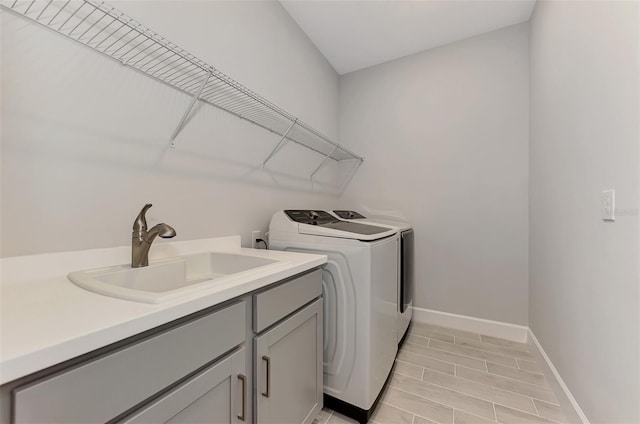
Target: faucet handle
140,224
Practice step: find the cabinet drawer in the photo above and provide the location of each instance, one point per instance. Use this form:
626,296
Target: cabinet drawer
104,388
273,304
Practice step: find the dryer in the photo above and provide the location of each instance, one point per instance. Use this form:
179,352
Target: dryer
360,298
406,266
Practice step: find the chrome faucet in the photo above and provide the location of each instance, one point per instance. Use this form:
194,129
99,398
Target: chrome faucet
141,239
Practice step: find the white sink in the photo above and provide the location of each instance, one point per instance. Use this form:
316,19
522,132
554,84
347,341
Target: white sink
167,279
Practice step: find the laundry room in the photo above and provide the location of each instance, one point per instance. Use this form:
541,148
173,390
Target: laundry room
320,211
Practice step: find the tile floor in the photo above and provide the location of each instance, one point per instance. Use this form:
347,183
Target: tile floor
454,377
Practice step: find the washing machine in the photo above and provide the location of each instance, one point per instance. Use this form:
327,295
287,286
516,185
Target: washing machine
405,260
360,298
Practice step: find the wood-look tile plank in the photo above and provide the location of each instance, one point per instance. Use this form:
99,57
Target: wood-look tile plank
531,366
388,414
479,390
473,353
419,406
426,362
516,374
461,417
505,343
488,347
337,418
423,332
461,385
550,411
411,370
420,420
444,396
511,416
417,340
513,400
445,356
446,331
509,384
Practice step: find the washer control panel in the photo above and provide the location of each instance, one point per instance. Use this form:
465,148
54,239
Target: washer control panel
349,215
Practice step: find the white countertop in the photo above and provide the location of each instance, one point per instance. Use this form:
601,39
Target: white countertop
45,319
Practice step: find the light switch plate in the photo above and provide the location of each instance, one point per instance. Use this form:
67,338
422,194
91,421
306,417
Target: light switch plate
609,205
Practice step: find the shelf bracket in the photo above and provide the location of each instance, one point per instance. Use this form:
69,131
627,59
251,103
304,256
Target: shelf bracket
280,143
172,144
324,161
351,174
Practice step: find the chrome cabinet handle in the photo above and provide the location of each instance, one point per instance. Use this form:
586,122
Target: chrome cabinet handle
268,361
243,379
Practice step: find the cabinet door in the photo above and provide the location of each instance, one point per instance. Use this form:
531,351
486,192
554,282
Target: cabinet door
288,365
216,395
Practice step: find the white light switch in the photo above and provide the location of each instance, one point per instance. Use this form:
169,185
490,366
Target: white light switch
608,205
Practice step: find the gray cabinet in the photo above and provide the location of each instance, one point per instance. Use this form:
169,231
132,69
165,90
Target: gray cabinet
217,395
288,364
255,359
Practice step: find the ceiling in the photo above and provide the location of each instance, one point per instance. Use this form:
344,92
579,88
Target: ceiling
354,34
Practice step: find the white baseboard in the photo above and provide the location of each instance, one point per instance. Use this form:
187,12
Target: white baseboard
572,403
503,330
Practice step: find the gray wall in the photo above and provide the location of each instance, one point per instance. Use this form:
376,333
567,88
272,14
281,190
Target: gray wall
445,136
84,140
584,297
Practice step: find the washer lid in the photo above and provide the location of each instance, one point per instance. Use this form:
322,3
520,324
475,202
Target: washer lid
396,224
321,223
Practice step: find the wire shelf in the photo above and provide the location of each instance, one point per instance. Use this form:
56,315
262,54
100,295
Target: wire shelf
108,31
